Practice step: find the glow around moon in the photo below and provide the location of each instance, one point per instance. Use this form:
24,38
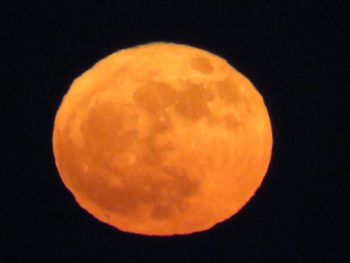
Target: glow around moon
162,139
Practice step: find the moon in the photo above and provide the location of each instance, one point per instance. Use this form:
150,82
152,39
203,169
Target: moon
162,139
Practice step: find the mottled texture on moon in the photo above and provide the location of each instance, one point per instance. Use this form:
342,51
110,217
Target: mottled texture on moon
162,139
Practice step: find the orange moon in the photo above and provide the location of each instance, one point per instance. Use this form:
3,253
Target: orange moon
162,139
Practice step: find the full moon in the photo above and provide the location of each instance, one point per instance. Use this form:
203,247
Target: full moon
162,139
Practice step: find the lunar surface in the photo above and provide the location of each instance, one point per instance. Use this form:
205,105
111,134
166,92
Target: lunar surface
162,139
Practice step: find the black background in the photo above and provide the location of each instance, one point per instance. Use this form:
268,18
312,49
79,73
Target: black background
296,54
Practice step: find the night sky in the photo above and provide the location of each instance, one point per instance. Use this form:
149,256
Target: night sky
296,53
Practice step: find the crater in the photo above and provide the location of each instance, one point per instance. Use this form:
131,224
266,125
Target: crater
154,96
108,129
202,65
161,212
163,190
228,91
231,122
173,192
192,101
